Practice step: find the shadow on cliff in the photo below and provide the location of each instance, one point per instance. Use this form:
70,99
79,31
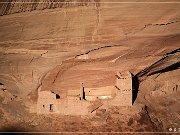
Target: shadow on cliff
135,85
169,62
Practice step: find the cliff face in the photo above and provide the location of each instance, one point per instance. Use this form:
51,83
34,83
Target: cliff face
40,44
18,6
34,42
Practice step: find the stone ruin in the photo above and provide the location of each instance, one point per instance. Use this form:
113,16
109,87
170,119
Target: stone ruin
48,102
79,102
123,89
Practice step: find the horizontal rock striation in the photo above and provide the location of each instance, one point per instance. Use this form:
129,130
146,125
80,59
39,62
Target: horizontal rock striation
18,6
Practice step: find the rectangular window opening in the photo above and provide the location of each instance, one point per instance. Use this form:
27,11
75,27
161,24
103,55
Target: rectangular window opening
51,108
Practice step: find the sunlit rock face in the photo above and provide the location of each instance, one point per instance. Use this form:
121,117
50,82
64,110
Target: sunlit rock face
18,6
58,45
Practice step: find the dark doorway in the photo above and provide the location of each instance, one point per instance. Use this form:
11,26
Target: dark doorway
51,107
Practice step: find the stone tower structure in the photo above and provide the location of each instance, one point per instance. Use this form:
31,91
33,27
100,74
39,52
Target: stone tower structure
124,89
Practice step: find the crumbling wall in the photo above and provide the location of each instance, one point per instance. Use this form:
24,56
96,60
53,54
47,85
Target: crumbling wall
74,106
123,90
47,102
92,94
101,91
119,95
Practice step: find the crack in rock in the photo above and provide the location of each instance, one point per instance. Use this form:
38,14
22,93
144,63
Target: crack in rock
160,24
155,24
31,60
108,46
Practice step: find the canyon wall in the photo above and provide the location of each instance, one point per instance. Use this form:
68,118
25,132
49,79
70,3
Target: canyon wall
18,6
36,37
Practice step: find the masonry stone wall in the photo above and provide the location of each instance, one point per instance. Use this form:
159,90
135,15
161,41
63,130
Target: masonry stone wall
74,106
124,90
118,95
47,102
92,94
101,91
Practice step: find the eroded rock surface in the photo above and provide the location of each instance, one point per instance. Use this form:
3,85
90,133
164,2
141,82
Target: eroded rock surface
59,45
